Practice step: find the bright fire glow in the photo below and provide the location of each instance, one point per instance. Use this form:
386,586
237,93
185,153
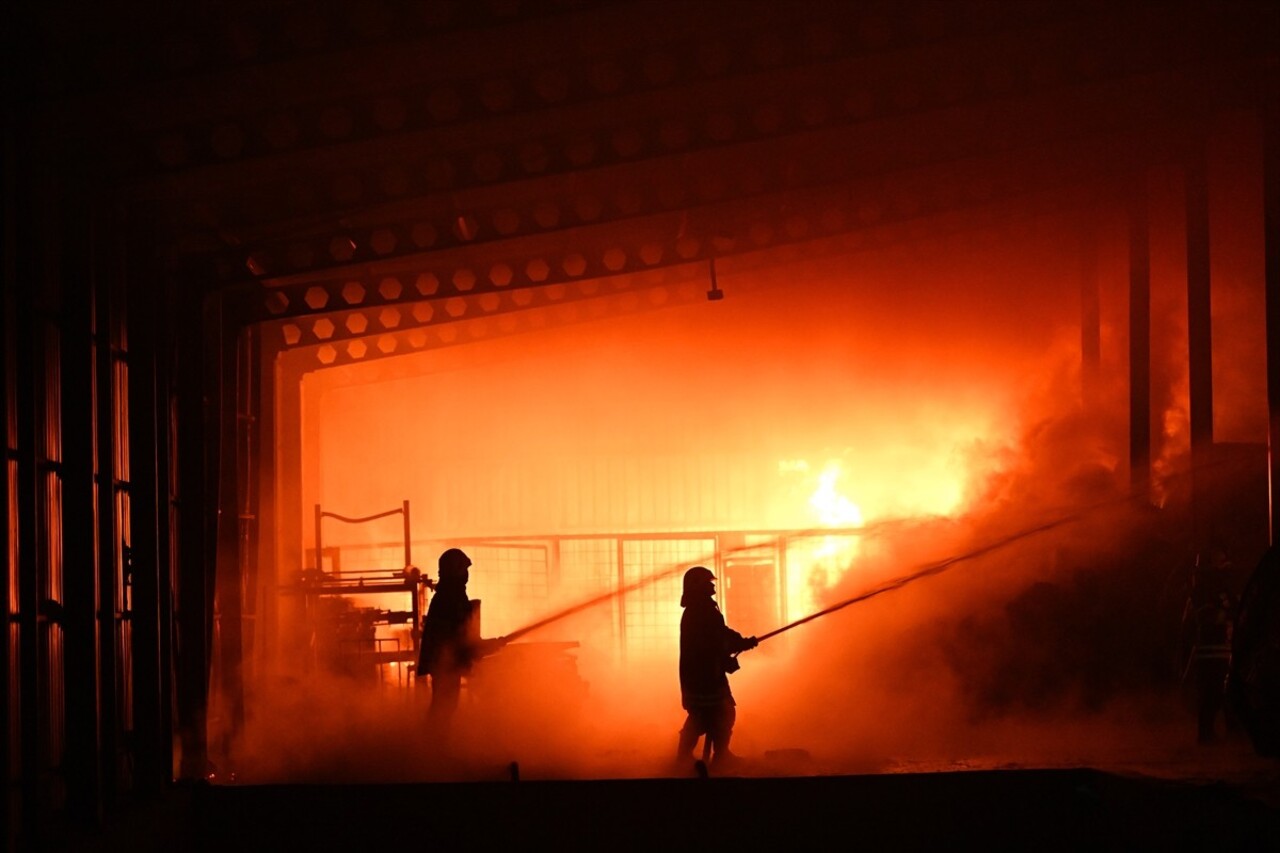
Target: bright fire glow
834,509
934,485
816,563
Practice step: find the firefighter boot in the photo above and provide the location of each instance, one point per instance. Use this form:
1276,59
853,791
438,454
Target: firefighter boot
684,749
723,758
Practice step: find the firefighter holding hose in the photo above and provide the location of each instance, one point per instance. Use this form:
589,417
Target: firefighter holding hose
707,649
450,638
1209,619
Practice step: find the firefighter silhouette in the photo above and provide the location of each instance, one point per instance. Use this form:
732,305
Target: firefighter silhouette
707,649
450,637
1209,620
1255,656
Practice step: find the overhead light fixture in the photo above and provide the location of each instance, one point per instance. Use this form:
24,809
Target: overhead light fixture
715,292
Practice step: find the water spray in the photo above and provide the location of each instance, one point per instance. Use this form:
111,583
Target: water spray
592,602
678,568
941,566
927,571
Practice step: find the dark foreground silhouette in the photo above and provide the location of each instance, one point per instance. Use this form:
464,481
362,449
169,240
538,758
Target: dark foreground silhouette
1078,809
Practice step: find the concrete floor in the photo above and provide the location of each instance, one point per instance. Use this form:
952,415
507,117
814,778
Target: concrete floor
1033,809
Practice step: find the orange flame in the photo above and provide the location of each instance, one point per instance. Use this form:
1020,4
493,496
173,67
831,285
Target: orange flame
818,562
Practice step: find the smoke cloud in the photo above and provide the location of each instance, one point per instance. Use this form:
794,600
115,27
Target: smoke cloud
941,379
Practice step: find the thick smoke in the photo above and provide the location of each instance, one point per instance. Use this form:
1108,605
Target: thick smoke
1063,645
943,376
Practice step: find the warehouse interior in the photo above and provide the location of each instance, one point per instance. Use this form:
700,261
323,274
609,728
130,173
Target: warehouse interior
952,325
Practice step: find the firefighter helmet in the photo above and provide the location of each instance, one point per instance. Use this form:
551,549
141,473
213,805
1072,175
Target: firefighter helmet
453,566
698,581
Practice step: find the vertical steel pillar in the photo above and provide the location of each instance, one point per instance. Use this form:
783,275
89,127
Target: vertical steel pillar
248,483
197,457
148,557
149,546
82,598
28,366
1139,338
1090,314
266,624
229,588
9,284
110,364
1199,332
289,557
30,726
1271,232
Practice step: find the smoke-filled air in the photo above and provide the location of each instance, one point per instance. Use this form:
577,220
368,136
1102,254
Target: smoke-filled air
897,434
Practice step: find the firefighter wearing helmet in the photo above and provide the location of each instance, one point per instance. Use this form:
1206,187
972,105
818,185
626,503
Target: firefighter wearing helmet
707,649
1209,617
450,637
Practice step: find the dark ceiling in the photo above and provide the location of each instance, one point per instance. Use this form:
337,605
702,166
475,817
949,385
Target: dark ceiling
363,171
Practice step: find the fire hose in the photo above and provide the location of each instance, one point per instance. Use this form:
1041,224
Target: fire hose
941,566
928,570
590,602
897,583
650,579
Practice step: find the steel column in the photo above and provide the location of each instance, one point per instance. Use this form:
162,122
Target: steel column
247,488
1199,330
148,557
197,518
289,554
1139,338
82,595
228,593
1090,313
264,645
9,533
115,675
1271,231
28,366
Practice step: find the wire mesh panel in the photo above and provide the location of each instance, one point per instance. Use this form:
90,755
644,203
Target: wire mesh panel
588,571
588,566
651,613
511,581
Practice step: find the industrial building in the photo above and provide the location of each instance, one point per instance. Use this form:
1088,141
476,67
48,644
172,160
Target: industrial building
298,295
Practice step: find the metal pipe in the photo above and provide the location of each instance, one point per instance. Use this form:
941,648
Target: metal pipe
408,559
319,559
